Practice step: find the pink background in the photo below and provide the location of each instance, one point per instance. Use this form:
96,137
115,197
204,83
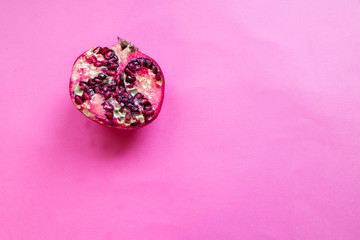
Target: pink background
258,137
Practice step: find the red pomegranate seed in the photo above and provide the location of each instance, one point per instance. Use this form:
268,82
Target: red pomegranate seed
109,115
98,80
91,82
135,123
130,78
149,118
117,80
105,50
96,89
148,107
154,69
113,59
107,95
109,54
139,95
143,101
86,96
151,112
111,72
113,66
83,86
91,59
137,66
128,71
78,99
102,76
158,76
131,66
147,63
97,50
98,64
108,107
134,109
128,116
105,88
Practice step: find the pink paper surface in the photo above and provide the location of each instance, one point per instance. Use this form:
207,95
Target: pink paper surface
258,138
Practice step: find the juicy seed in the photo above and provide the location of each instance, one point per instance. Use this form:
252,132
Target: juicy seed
96,90
141,61
98,64
111,73
105,50
135,123
97,50
78,99
105,88
108,107
128,71
149,113
131,66
117,80
128,116
109,115
113,59
112,86
91,82
109,55
158,76
83,85
148,108
137,66
143,101
130,79
113,66
121,89
102,76
149,118
86,96
107,95
135,109
98,80
91,59
154,69
139,95
131,85
147,63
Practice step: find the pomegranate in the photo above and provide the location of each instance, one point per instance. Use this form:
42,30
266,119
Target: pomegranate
118,87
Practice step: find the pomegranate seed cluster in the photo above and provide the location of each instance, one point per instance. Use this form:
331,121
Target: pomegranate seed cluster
125,94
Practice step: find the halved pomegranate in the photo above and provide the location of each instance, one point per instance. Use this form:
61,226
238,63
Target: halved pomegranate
118,87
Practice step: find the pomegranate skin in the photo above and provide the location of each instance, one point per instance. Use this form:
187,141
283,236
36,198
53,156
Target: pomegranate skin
118,87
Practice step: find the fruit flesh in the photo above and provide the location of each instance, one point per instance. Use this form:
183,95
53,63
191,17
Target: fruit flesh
105,81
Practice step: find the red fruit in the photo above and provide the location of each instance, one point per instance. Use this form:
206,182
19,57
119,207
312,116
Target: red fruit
101,90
